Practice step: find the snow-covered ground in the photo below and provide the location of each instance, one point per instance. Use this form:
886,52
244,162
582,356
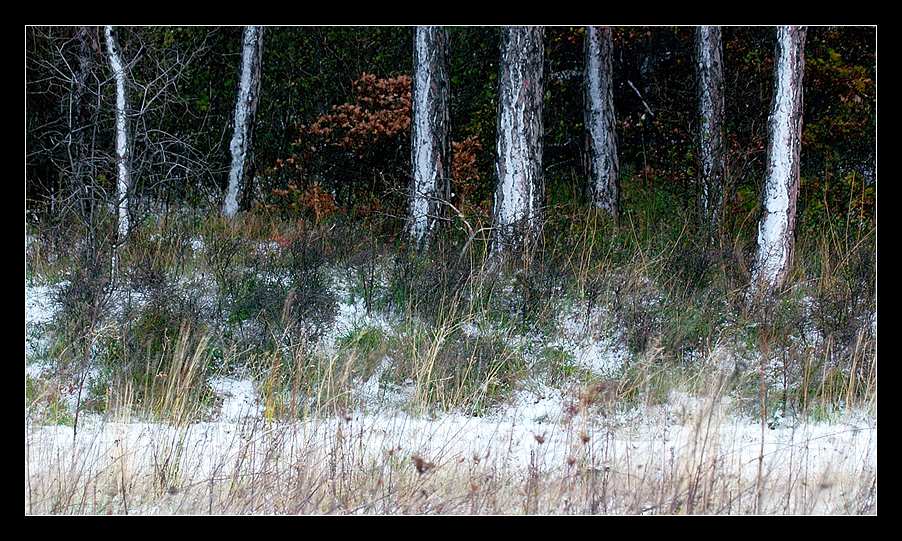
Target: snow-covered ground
239,398
39,303
351,314
537,430
588,336
653,445
40,307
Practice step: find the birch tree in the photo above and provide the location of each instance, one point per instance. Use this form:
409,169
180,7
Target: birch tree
781,184
601,135
430,144
520,190
709,79
245,110
122,135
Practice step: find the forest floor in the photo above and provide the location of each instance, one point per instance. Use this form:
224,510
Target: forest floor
547,448
273,366
668,460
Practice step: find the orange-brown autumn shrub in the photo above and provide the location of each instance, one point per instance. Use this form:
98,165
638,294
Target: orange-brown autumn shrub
355,140
312,200
381,110
465,175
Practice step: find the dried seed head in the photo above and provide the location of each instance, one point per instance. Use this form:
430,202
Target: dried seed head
571,410
422,465
540,439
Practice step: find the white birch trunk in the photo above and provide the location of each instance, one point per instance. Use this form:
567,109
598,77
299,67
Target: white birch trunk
601,134
781,185
520,191
245,110
122,151
430,144
709,77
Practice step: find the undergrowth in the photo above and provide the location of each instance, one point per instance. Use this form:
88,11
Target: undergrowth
189,296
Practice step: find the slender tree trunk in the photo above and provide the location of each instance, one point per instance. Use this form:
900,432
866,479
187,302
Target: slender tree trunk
601,134
781,184
520,191
430,153
709,78
122,150
245,110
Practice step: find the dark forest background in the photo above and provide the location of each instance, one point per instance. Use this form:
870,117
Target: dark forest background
334,115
